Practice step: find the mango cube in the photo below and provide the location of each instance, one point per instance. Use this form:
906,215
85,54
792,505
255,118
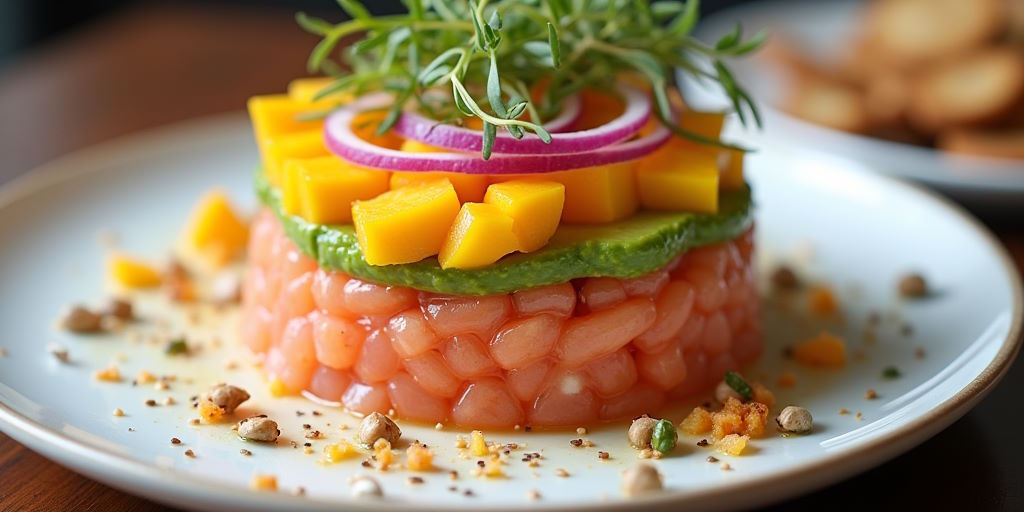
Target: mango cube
469,187
596,195
405,225
303,89
677,178
480,235
215,230
280,148
323,189
706,124
130,272
365,127
534,206
277,114
730,167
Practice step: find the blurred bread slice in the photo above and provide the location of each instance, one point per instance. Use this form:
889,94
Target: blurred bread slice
978,89
828,103
910,32
1006,143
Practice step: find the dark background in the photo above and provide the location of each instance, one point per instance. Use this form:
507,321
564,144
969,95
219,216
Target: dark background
28,23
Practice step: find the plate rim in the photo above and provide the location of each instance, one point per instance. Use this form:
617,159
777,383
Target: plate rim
181,488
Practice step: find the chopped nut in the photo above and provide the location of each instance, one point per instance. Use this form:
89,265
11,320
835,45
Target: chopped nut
378,426
784,278
712,459
561,473
175,440
80,319
226,288
726,467
913,286
121,309
415,480
190,454
533,495
118,412
870,394
145,377
3,352
796,420
245,452
602,455
844,411
58,352
263,483
150,403
641,479
169,400
363,486
919,353
193,421
580,431
227,397
258,428
640,432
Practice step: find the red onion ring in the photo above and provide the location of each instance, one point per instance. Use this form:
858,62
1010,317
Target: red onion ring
413,125
341,140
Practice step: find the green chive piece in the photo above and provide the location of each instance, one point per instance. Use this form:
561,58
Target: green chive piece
891,373
176,347
739,385
664,436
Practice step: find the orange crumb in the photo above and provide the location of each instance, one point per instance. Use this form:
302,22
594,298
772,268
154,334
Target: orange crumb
823,301
825,350
786,380
697,422
419,457
732,444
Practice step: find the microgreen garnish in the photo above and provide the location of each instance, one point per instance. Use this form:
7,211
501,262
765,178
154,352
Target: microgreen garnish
524,56
891,373
176,347
736,382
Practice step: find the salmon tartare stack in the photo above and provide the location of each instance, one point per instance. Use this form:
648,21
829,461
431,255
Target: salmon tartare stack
500,215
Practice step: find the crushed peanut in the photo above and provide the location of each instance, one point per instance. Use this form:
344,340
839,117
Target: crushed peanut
58,352
870,394
118,412
796,420
258,428
226,396
561,473
82,320
641,479
378,426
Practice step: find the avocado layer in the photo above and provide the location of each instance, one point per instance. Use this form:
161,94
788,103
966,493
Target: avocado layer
628,248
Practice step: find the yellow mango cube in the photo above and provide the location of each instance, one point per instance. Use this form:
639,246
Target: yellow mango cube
365,127
215,230
304,89
407,224
469,187
596,195
730,167
706,124
281,148
130,272
480,235
278,114
534,206
327,186
677,179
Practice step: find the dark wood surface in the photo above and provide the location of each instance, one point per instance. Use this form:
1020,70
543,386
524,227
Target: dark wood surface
159,64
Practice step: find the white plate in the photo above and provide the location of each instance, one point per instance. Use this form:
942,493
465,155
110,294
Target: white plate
821,28
865,230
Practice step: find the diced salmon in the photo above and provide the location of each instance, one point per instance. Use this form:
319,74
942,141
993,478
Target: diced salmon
432,374
377,359
556,299
413,402
366,398
338,340
603,332
525,340
665,369
466,315
643,398
565,403
673,306
525,382
716,338
364,298
411,334
710,288
648,285
611,374
329,384
599,293
329,293
467,356
487,403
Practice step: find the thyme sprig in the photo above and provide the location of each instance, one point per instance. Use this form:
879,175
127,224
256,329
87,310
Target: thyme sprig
503,51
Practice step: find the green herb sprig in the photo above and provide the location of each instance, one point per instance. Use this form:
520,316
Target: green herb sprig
493,55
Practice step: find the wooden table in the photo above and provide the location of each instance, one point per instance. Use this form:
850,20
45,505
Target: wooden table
160,64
